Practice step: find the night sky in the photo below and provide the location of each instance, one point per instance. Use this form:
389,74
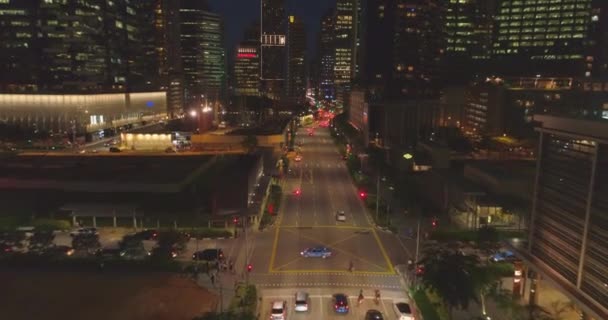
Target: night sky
238,14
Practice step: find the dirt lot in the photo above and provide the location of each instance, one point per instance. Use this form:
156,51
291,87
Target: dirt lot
93,296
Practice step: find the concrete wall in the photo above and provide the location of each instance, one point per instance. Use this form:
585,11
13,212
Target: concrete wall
235,141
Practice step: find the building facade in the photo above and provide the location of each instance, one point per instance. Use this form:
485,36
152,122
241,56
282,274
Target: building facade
203,57
296,65
168,54
327,90
345,42
568,228
273,48
551,38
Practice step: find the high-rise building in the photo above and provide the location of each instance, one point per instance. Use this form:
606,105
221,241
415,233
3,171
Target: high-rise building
469,26
548,37
247,64
296,67
272,47
203,57
327,89
75,46
18,42
567,232
405,48
345,41
168,53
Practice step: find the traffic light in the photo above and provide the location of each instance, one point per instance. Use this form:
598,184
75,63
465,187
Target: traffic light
434,223
249,267
297,192
235,220
362,194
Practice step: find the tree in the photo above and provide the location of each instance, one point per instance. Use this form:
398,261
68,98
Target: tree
41,241
450,275
250,143
86,242
485,281
487,239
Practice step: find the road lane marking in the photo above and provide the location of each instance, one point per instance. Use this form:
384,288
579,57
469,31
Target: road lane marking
388,260
274,249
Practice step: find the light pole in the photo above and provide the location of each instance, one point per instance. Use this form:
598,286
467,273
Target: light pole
377,196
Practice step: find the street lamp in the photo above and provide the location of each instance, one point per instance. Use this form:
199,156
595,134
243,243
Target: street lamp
193,113
407,156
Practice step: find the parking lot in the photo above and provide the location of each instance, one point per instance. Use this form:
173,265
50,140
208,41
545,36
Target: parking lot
321,303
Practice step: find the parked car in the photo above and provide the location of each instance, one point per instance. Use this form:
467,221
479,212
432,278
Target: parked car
301,301
504,256
373,315
135,254
341,216
317,252
59,251
209,255
108,253
278,310
403,311
340,303
149,234
82,231
115,149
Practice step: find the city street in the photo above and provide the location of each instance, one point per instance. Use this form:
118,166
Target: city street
316,189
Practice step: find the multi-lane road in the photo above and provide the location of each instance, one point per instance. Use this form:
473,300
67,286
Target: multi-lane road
308,219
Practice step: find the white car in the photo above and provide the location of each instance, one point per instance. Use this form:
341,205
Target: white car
278,310
403,311
81,231
341,216
301,301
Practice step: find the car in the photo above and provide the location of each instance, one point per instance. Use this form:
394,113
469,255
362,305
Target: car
59,251
108,253
136,254
340,303
209,255
341,216
278,310
403,310
373,315
316,252
149,234
298,158
83,231
115,149
504,256
301,301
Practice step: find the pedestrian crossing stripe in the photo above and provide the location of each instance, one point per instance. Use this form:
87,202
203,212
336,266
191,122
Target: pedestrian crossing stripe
329,284
383,274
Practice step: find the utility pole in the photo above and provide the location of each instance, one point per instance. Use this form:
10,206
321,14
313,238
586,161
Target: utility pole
417,252
377,196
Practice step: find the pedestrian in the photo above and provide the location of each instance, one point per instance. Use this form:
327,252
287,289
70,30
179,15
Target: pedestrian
213,279
230,265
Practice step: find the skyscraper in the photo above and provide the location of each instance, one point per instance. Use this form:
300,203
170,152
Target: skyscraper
18,41
469,26
203,56
345,41
272,47
405,48
74,46
546,37
296,49
327,89
168,53
247,64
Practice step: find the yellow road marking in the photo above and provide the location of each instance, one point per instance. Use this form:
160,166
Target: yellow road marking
333,271
388,260
349,253
327,226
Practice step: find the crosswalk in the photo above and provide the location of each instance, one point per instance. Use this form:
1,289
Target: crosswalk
329,279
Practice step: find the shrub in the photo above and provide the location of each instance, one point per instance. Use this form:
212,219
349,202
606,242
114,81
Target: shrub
51,224
201,233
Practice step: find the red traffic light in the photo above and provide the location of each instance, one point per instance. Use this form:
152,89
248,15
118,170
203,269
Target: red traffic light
434,223
297,192
362,194
249,267
235,220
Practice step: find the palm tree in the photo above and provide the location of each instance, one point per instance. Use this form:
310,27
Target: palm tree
450,275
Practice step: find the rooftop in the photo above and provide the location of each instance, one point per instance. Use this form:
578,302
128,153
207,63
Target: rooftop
506,169
30,171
